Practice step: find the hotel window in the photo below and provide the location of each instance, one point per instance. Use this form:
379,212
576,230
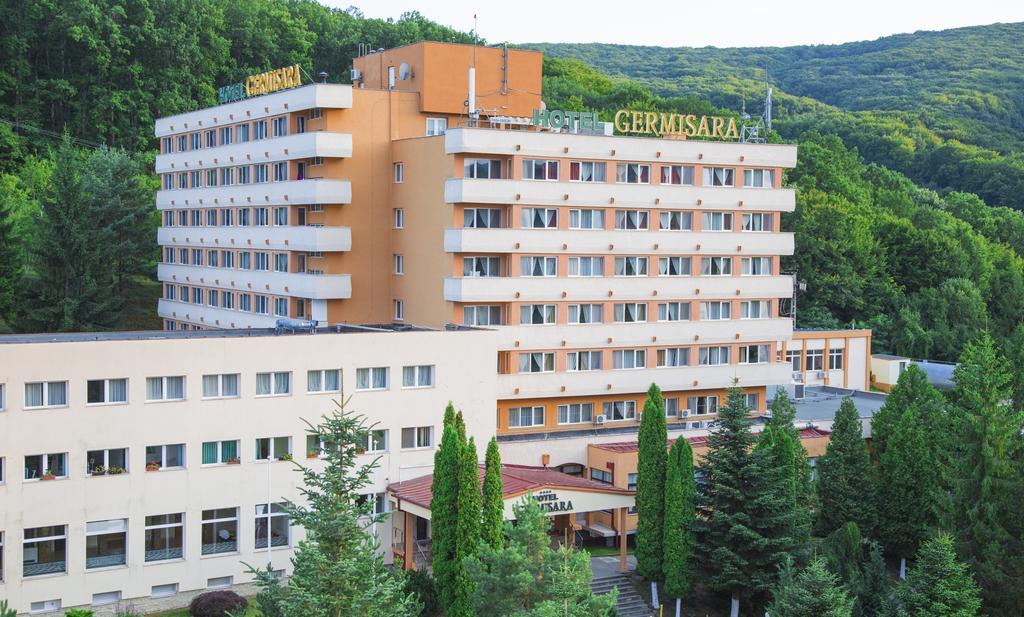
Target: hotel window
436,126
674,266
399,262
677,174
629,358
750,401
633,173
586,219
244,174
539,362
273,448
575,413
536,265
260,173
224,385
713,356
220,531
196,140
399,170
165,388
481,315
417,437
375,503
211,138
46,394
245,260
262,261
715,311
38,466
170,456
631,219
586,266
375,378
183,219
273,384
673,311
227,176
540,169
168,180
317,161
630,266
44,551
586,313
259,130
522,417
113,461
106,543
583,361
630,312
760,221
211,218
759,178
316,113
226,136
280,262
197,257
244,132
539,218
673,357
675,220
3,396
835,359
325,380
165,537
212,259
196,179
716,266
484,169
399,218
756,266
281,307
481,218
281,172
600,475
166,145
620,410
481,266
398,306
755,354
168,255
100,391
280,126
755,309
182,143
227,299
220,452
421,376
587,171
183,180
197,217
718,176
716,221
374,440
793,357
197,295
702,405
815,359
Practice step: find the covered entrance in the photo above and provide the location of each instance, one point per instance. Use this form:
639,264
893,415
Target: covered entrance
576,505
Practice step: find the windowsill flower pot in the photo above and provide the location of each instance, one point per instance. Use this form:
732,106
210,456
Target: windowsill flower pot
312,455
285,457
234,461
152,467
115,471
48,476
99,471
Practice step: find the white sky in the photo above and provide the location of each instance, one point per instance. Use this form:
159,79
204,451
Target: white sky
739,23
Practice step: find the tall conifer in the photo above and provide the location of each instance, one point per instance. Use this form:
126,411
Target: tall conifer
493,508
467,529
680,513
845,475
650,487
444,507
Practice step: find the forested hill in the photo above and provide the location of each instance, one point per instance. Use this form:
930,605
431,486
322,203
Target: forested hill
946,108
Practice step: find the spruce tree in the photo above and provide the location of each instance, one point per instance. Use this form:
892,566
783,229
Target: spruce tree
779,449
467,529
814,592
10,265
444,507
784,418
938,585
650,487
680,492
493,506
845,475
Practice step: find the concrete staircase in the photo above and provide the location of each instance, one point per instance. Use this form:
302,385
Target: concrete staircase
630,603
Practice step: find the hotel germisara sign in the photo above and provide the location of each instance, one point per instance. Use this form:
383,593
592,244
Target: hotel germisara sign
550,502
668,124
261,83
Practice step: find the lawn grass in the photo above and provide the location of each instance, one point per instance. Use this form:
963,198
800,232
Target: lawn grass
250,611
604,551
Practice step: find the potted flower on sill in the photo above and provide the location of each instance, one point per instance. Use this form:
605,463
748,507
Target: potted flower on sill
312,454
234,461
49,475
153,466
99,471
115,471
285,457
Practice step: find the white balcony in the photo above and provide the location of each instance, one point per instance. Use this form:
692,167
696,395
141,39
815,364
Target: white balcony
541,289
289,147
636,381
572,241
298,192
297,284
643,334
212,316
286,238
541,193
616,147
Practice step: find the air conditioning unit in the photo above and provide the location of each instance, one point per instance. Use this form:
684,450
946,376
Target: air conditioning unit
685,413
355,74
599,419
798,376
821,374
798,391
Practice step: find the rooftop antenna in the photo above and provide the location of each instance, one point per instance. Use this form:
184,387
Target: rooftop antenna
471,100
767,104
758,131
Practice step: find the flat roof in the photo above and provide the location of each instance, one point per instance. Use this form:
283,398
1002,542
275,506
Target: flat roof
888,356
820,403
697,441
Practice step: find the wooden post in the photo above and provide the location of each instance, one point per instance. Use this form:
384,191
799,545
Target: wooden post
410,555
622,539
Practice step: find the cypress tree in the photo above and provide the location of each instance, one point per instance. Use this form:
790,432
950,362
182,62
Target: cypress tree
814,592
845,475
938,585
650,487
444,507
493,509
467,530
680,512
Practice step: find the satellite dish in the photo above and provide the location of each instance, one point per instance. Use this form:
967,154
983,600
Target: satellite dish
403,71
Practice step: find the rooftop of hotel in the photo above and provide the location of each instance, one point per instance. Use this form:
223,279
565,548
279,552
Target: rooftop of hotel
696,441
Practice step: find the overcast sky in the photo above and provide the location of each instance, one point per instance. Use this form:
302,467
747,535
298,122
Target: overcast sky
739,23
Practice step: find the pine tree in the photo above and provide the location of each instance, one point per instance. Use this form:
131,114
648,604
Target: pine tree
938,585
864,576
845,475
10,265
444,507
467,529
814,592
650,487
493,508
680,513
779,448
784,418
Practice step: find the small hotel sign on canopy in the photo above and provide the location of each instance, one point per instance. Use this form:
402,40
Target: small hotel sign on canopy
667,124
263,83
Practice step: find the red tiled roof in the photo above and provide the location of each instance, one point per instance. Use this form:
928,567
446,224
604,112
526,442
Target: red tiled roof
515,480
695,442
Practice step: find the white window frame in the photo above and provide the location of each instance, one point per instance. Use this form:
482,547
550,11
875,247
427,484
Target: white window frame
629,359
547,313
399,172
755,354
399,218
665,265
673,357
592,168
576,311
596,216
640,266
418,433
583,413
436,126
546,364
274,511
747,266
471,315
370,374
45,386
747,222
548,265
755,178
106,460
724,265
665,311
106,392
147,527
764,309
321,379
273,376
163,456
592,260
271,448
716,310
45,465
717,355
579,361
418,376
530,168
399,309
530,411
399,264
622,314
163,389
628,409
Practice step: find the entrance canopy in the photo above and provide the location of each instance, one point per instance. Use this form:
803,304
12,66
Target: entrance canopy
557,492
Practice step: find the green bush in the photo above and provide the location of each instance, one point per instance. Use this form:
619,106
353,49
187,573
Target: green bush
78,612
422,585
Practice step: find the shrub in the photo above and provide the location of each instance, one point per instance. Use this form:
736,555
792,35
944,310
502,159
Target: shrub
216,604
5,611
78,612
422,585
